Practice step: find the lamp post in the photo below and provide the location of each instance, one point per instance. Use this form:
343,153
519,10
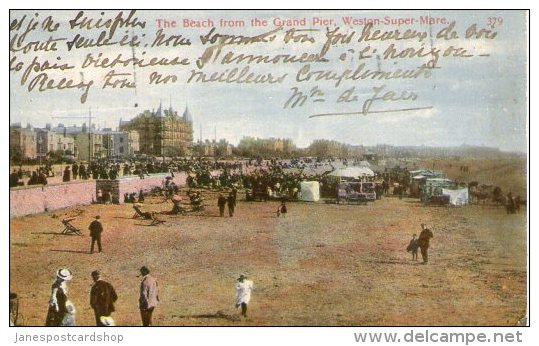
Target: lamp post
39,142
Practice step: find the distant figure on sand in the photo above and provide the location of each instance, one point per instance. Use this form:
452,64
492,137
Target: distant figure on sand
510,204
95,232
518,201
412,247
283,210
243,293
231,202
424,242
221,203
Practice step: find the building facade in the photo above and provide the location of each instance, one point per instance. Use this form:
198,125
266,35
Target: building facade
250,146
49,141
162,133
89,146
118,144
284,145
327,148
214,148
23,140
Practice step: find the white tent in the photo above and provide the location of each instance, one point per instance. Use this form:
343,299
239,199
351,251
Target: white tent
353,172
364,164
457,197
309,191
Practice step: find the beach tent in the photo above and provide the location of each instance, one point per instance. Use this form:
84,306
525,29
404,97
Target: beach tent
418,179
363,164
352,172
317,170
434,186
309,191
421,173
457,197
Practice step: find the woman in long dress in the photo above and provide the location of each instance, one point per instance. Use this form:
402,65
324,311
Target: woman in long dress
61,311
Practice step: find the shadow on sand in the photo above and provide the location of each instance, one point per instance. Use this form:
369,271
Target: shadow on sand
71,251
151,224
55,233
218,315
395,261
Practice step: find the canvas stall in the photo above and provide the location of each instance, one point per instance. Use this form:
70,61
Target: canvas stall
433,188
457,197
352,173
309,191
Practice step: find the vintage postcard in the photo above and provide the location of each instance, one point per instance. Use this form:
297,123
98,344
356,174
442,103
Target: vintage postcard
268,168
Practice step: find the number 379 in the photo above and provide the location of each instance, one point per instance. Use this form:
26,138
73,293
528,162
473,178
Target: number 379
494,21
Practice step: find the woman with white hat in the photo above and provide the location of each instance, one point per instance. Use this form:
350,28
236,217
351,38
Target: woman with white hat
61,310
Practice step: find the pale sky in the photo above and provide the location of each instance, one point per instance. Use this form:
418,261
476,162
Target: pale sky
477,101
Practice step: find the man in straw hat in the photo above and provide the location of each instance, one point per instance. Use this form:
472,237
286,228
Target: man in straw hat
243,293
149,296
102,298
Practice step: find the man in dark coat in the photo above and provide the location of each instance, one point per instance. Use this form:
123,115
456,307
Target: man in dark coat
42,177
221,203
102,298
231,202
82,172
95,232
67,175
14,179
510,204
424,242
75,170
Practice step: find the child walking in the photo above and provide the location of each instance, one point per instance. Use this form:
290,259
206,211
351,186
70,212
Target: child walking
412,247
282,209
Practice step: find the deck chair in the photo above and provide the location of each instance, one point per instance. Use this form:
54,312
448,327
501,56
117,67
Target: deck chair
69,228
177,209
139,214
155,219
